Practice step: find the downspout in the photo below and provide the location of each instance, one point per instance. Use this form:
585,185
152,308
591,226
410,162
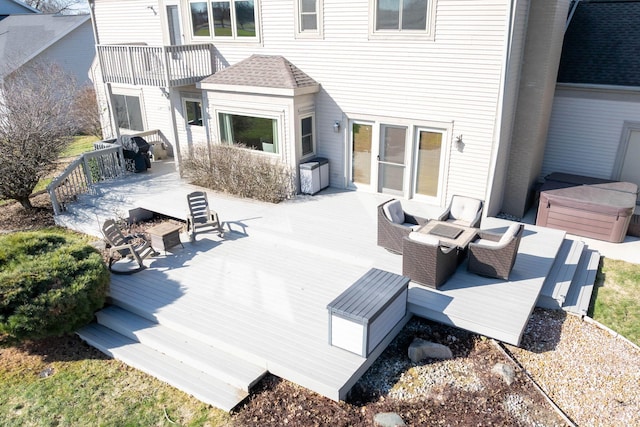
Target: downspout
499,111
92,5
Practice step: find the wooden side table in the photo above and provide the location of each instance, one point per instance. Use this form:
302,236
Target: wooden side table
165,236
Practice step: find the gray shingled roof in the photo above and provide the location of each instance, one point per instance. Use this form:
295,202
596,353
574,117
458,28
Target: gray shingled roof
262,71
602,44
22,37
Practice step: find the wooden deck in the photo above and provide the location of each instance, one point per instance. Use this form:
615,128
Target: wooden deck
261,292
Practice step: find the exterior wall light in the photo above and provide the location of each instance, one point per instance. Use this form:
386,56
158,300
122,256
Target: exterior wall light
336,126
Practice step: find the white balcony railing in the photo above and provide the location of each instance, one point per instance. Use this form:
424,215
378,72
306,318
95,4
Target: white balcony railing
163,66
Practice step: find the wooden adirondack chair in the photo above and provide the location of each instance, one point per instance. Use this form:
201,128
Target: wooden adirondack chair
132,246
201,218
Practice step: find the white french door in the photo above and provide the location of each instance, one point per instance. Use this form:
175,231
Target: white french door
392,158
402,160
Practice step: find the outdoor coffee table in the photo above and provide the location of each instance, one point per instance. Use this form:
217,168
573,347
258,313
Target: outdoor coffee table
165,236
450,234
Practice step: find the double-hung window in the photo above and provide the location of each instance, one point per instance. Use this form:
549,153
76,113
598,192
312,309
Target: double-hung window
193,111
230,19
413,18
308,18
306,135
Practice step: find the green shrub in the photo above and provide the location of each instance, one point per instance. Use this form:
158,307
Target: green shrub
51,283
240,171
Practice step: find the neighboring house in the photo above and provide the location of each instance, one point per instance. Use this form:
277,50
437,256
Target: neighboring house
418,99
595,123
14,7
63,39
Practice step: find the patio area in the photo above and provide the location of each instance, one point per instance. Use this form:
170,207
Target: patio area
260,293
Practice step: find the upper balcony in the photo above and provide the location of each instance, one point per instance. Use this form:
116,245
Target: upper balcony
163,66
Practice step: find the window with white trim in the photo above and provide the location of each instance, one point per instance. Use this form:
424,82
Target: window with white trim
128,113
308,15
230,19
192,111
258,133
307,139
403,17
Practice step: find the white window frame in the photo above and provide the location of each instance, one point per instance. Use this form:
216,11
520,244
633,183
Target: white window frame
306,34
122,91
186,99
413,127
444,158
311,116
427,34
278,131
234,29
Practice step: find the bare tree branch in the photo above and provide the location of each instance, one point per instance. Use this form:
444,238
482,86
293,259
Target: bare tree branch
36,123
64,7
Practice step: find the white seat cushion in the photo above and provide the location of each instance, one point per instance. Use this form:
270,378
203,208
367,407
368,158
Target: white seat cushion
425,238
508,235
464,209
393,211
486,242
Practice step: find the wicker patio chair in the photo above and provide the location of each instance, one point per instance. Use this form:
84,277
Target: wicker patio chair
426,262
463,210
134,246
394,224
493,255
201,218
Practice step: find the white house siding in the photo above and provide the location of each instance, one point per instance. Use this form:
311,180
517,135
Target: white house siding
518,28
130,22
74,52
454,79
586,125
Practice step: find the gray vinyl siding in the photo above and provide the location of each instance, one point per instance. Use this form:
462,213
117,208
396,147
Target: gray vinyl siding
455,78
586,125
9,8
512,83
74,52
128,21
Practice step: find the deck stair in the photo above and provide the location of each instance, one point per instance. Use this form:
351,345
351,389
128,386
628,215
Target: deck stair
569,284
209,374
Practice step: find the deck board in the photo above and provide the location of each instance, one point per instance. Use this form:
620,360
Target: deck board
261,292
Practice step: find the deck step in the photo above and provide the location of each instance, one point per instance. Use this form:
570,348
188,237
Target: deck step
188,379
556,286
217,363
579,295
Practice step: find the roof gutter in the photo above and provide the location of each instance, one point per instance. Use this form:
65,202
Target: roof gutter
573,10
92,5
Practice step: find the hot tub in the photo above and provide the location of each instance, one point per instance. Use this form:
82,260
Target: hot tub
599,209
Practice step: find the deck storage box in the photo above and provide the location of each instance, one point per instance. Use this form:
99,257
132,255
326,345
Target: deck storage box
367,311
314,175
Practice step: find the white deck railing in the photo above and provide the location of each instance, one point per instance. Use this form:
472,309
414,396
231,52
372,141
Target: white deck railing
105,162
162,66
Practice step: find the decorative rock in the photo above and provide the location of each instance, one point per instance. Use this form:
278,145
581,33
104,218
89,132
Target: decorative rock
421,349
388,419
506,372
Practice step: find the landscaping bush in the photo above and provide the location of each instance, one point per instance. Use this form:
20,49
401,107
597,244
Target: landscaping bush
51,283
240,171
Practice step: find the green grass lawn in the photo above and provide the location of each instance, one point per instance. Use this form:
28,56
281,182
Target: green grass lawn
61,381
617,298
80,144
